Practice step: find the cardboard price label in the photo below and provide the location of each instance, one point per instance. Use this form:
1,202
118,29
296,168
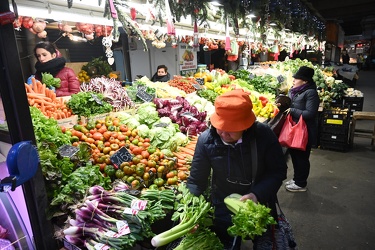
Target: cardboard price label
281,78
197,86
120,156
96,99
162,124
200,80
144,96
67,151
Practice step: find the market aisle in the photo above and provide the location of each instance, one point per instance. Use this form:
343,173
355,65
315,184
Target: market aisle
338,210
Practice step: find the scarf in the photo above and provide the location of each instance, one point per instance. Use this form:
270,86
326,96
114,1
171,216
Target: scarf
52,66
294,91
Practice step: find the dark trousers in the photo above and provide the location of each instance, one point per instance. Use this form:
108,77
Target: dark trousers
301,165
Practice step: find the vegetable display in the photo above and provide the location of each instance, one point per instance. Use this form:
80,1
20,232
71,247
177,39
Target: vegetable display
116,219
112,91
190,211
179,110
88,104
45,100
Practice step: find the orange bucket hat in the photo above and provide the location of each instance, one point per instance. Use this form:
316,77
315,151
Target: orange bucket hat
233,111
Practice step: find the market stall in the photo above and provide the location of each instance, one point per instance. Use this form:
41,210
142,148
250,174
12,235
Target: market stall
134,141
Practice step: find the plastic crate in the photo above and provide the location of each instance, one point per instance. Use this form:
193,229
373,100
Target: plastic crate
337,103
355,103
335,146
334,137
335,129
339,117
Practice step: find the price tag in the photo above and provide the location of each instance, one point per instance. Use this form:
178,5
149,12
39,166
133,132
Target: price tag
67,151
110,233
96,99
141,87
138,204
197,86
144,96
101,246
162,124
200,80
189,115
120,156
131,211
122,228
281,78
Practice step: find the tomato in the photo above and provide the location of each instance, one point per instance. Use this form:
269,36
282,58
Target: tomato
90,140
151,163
130,179
140,169
146,176
135,184
119,174
63,129
109,123
154,157
171,174
114,146
102,167
144,161
123,128
182,175
135,141
106,150
137,150
159,182
172,181
116,121
98,136
145,154
129,170
107,135
121,137
153,187
136,160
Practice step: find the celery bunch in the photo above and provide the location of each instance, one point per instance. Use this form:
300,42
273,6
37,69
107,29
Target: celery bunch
249,219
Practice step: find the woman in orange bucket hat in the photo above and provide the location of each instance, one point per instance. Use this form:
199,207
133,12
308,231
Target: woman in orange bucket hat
225,149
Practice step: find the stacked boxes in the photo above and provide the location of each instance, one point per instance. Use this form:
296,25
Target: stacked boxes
355,103
335,129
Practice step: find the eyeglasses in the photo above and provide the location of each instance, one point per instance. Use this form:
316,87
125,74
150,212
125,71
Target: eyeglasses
238,181
235,180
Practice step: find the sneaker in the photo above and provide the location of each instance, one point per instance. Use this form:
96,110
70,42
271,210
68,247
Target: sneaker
294,188
289,182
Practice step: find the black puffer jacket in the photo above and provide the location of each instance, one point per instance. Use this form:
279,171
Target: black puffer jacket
212,153
306,102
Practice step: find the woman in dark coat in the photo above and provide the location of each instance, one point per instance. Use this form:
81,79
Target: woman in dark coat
305,102
225,149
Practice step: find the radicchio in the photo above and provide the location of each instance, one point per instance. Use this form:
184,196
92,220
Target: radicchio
188,117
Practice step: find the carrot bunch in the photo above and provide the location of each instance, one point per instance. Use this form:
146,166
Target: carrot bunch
45,99
185,154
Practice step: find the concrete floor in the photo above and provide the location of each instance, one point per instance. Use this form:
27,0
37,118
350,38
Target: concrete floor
338,209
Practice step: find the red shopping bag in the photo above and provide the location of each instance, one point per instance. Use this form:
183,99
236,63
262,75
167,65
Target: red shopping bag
294,135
